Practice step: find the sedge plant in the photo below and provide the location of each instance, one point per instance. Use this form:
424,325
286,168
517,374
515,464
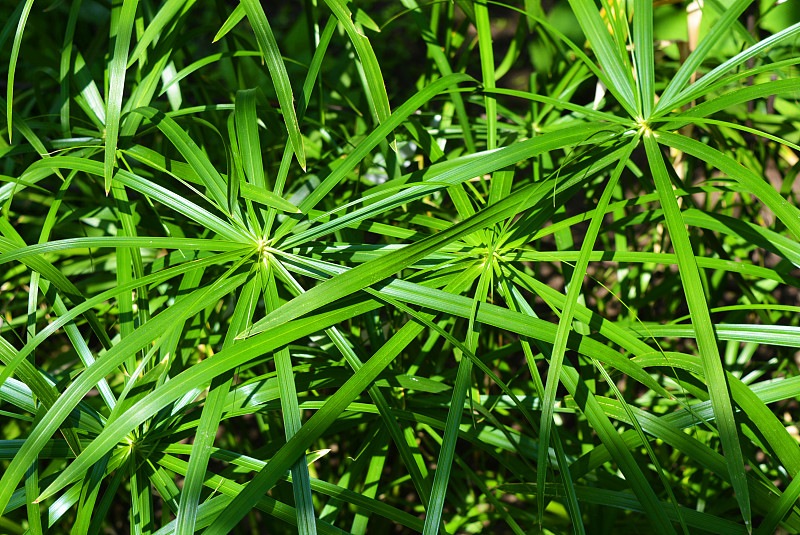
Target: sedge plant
457,267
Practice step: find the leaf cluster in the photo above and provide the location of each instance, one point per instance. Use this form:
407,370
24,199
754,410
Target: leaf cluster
513,267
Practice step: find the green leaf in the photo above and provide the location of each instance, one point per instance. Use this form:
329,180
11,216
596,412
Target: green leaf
230,23
75,392
369,143
443,64
172,199
116,86
433,516
696,89
267,198
191,152
313,429
376,87
706,339
208,60
698,55
610,498
643,54
156,27
12,64
788,214
732,98
195,475
403,442
487,70
306,520
277,70
608,53
788,500
381,268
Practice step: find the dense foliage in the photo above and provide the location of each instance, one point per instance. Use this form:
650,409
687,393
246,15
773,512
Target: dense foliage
460,267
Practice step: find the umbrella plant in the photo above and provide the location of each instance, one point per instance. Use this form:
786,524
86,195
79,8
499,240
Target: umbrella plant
436,267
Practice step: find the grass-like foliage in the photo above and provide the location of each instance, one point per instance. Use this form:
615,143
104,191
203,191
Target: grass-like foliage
344,267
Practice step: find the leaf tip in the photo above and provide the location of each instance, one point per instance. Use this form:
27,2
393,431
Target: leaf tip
300,154
242,335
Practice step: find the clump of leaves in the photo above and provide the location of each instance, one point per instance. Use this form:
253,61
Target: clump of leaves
272,265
